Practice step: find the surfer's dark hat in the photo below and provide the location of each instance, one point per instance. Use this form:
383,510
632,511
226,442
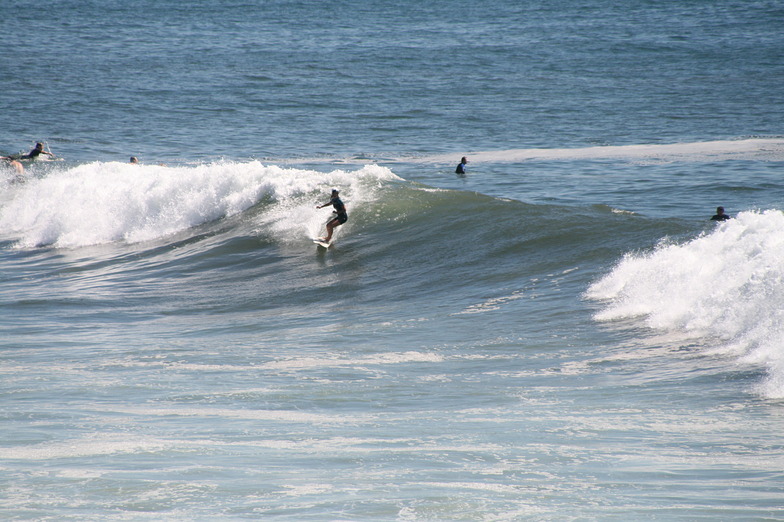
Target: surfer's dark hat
335,191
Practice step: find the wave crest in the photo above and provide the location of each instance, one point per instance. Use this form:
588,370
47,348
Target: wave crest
105,202
727,284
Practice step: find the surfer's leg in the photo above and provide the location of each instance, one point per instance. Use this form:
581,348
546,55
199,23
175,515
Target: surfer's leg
330,227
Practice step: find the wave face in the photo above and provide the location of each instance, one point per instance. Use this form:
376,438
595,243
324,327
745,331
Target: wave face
726,285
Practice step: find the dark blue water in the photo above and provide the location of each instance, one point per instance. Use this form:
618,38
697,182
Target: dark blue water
170,81
560,333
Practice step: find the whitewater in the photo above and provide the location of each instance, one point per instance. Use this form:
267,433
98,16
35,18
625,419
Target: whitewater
100,203
724,286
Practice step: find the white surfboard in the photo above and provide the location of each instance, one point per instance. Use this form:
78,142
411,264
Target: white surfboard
321,243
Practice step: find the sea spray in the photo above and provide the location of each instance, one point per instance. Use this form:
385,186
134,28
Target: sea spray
103,202
725,286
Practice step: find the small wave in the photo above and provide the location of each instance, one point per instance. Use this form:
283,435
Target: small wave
726,285
755,148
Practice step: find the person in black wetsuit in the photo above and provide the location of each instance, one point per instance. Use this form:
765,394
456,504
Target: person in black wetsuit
720,215
461,166
37,151
340,214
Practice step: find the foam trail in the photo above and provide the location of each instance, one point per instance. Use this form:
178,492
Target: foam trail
726,285
759,149
99,203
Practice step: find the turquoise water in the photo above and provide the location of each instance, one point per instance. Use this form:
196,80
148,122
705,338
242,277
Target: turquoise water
560,333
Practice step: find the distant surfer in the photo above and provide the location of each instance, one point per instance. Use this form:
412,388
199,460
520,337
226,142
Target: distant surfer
720,215
340,214
133,160
37,151
461,166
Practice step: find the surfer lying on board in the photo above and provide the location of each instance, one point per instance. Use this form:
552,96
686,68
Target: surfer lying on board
37,151
340,214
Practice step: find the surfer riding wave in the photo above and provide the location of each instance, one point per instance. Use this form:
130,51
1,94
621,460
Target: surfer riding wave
340,214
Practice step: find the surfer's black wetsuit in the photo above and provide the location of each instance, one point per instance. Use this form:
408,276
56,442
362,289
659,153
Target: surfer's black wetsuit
340,210
37,151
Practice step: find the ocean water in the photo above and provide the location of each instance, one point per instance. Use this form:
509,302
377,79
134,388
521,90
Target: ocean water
561,333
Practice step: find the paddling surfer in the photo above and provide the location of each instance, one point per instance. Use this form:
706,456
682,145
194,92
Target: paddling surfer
340,214
37,151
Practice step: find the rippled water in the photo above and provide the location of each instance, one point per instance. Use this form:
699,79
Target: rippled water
560,333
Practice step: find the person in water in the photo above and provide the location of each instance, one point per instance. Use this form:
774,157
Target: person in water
340,214
18,167
720,215
37,151
133,160
461,166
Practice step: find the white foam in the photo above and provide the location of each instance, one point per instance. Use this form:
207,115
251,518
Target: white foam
290,416
88,446
98,203
726,286
298,363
